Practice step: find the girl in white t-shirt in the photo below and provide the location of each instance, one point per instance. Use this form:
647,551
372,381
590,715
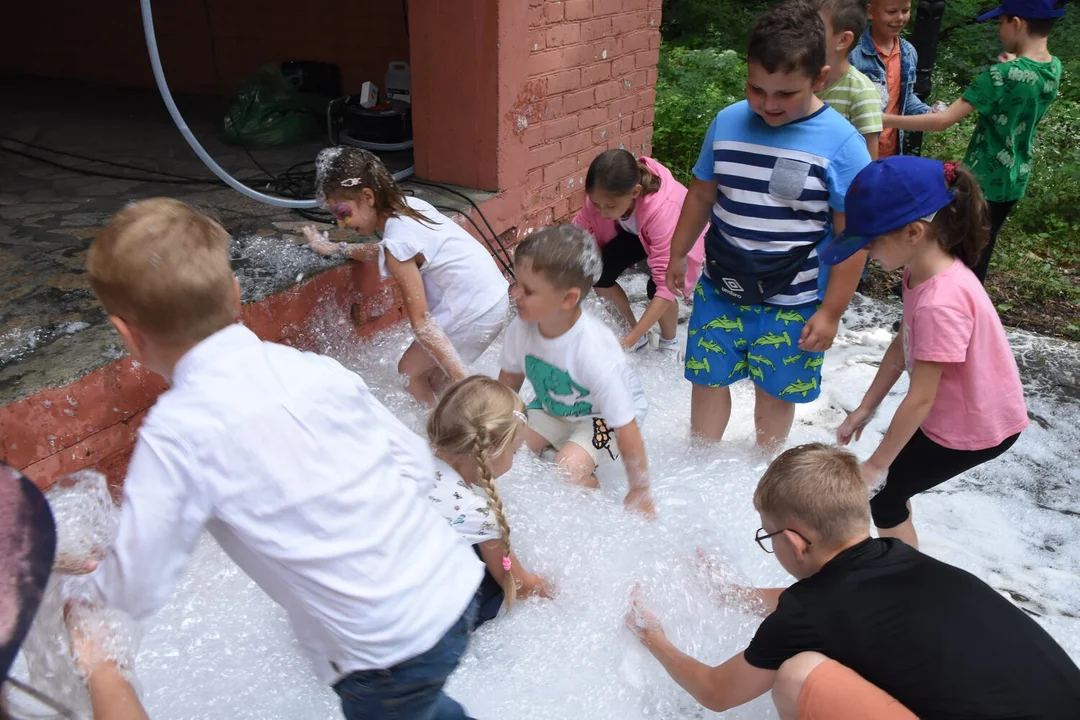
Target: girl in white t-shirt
455,295
474,432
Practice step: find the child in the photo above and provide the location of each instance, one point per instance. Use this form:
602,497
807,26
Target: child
310,485
631,207
771,178
872,629
847,90
1011,97
890,61
965,403
454,294
474,432
589,403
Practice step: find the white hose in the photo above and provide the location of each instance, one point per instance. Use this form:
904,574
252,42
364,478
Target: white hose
163,87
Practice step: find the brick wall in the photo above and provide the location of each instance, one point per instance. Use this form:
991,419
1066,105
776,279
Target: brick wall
591,87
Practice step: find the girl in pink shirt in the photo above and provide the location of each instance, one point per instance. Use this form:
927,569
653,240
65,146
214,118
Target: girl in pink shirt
631,208
965,403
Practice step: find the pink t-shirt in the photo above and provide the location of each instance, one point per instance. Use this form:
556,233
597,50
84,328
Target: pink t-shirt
980,401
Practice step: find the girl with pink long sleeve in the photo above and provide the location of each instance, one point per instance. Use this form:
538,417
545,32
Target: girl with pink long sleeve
631,208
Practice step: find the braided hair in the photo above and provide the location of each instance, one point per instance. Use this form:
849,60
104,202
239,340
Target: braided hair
481,417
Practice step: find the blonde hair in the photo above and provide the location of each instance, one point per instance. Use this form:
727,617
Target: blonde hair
566,255
163,266
819,486
477,417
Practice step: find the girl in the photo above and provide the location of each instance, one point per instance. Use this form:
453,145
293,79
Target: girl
455,296
474,432
631,208
965,404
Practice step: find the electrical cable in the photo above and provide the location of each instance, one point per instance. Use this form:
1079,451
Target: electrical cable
174,112
88,158
111,176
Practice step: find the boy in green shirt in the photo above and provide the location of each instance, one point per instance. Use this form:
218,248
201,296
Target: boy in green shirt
847,90
1011,97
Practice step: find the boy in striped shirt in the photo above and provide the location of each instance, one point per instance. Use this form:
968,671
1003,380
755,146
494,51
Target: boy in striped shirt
847,90
770,181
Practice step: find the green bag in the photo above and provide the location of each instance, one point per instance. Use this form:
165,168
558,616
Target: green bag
269,110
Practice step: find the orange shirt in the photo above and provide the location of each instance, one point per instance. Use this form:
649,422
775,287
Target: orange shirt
888,143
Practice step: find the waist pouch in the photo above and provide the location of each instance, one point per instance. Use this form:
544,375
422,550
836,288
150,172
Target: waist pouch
748,278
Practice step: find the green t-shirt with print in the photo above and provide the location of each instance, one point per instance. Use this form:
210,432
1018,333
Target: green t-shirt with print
1011,98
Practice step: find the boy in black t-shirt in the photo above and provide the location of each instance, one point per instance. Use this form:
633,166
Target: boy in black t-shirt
873,628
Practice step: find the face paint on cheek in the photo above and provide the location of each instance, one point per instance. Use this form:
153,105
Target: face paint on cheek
342,213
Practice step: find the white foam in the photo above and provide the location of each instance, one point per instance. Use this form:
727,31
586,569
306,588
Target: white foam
221,649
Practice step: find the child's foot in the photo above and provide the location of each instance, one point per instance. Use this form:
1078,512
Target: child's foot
669,346
642,342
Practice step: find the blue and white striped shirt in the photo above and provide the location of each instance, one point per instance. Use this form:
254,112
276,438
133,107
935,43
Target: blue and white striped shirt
776,187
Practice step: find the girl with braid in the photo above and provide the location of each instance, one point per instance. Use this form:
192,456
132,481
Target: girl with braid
474,432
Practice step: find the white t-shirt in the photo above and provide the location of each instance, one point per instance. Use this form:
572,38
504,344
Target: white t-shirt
465,508
581,374
461,280
630,224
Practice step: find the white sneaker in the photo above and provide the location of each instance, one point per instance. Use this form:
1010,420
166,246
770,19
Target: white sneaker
642,342
669,346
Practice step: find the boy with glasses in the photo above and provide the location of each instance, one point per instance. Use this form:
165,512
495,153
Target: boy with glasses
872,629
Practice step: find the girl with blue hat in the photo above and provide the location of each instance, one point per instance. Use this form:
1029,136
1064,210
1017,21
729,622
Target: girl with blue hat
965,403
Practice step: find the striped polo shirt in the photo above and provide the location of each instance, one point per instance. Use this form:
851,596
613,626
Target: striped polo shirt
857,99
776,187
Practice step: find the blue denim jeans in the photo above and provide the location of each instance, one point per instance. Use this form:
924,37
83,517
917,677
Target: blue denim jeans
413,689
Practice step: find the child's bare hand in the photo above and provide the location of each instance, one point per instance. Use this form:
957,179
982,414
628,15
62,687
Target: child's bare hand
676,276
319,241
640,620
853,425
819,332
640,500
536,585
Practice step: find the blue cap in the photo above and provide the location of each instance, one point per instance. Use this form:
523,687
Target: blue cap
1027,9
886,195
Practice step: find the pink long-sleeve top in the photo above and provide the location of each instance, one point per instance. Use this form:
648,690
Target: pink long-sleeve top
656,215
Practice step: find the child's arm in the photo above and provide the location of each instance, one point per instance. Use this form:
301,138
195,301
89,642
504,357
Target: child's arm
720,688
527,583
820,330
892,366
320,243
872,144
934,122
695,214
428,332
632,447
514,381
653,312
925,377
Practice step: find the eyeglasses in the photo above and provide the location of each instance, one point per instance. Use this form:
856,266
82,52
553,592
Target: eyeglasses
764,539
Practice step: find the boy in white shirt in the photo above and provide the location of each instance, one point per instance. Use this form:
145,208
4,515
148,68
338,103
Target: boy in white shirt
589,402
305,480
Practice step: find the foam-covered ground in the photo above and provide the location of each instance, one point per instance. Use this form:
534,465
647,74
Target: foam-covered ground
221,649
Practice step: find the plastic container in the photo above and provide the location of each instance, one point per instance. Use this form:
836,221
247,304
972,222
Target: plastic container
398,82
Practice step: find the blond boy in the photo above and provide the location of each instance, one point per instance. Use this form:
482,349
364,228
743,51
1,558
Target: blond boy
310,485
872,629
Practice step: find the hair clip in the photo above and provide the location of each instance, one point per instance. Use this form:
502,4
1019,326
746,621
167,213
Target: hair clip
506,563
351,182
950,172
521,416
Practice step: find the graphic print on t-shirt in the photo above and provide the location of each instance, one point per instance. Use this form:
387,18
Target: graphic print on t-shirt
556,392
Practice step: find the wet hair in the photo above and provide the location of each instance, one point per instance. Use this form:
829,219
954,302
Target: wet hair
344,172
844,16
1038,27
477,418
616,172
788,37
819,487
566,255
163,266
963,226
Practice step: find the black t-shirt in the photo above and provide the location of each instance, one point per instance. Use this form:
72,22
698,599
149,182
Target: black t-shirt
936,638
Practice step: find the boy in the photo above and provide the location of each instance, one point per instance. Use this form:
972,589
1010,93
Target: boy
588,400
309,484
890,61
1011,97
771,178
847,90
872,629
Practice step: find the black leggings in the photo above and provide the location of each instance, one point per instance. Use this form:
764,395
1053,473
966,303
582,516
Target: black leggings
921,465
999,212
624,251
